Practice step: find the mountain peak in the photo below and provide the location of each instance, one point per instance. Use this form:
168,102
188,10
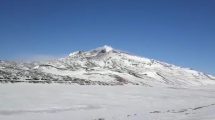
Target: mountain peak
105,48
103,66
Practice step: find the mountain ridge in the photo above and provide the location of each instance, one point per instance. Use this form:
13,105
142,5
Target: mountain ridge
103,66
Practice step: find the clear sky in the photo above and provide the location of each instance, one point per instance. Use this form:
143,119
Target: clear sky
181,32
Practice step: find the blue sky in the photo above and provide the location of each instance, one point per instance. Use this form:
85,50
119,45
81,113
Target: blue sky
180,32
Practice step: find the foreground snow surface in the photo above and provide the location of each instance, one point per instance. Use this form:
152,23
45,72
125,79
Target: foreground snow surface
71,102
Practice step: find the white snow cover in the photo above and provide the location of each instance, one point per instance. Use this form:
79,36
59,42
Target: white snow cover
70,102
143,89
106,48
110,66
104,62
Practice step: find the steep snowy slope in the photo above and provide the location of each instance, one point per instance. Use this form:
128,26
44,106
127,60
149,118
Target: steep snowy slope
103,66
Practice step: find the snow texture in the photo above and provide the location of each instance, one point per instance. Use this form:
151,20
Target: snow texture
103,66
104,84
74,102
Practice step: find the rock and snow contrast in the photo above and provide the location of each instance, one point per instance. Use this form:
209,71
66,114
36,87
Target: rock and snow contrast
104,84
103,66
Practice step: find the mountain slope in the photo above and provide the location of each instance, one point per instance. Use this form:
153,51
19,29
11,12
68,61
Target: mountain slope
103,66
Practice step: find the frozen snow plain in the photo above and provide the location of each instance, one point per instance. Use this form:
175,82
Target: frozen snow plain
24,101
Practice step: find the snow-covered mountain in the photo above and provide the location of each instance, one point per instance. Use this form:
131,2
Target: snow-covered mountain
103,66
